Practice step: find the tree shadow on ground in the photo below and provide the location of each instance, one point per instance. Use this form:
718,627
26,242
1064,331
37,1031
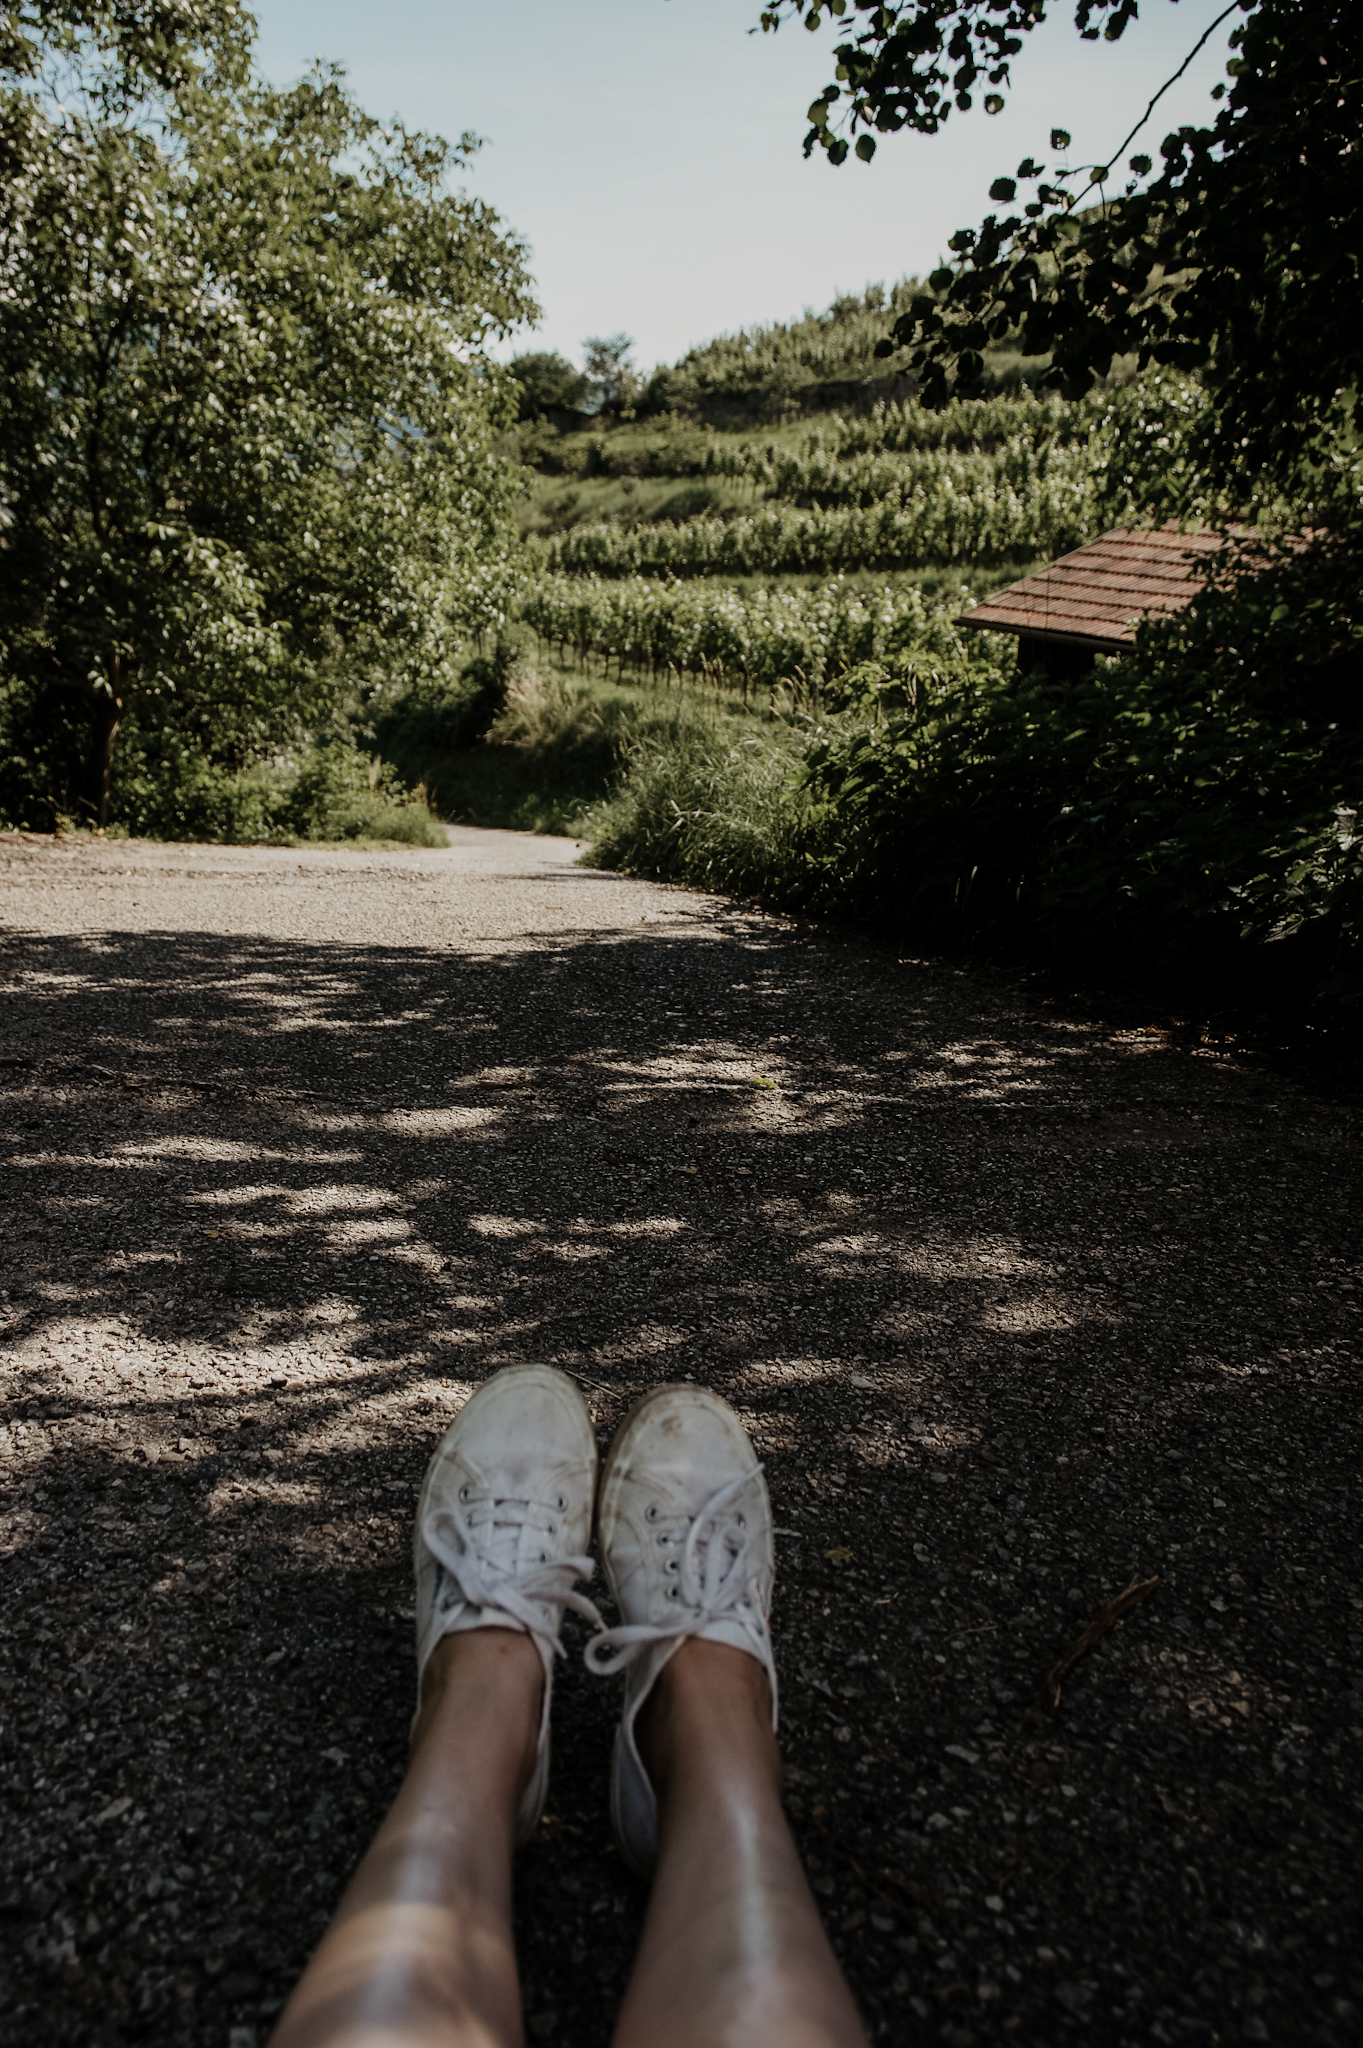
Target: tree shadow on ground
978,1280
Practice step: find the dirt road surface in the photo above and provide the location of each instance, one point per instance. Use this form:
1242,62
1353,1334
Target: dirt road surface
1020,1307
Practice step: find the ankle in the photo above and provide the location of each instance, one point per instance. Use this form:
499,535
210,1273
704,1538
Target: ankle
708,1716
492,1676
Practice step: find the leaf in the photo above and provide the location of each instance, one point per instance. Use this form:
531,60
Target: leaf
1060,138
839,1556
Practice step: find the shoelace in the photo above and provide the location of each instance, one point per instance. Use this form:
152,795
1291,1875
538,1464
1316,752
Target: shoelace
462,1545
709,1590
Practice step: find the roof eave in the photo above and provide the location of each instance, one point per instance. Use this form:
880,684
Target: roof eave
1098,644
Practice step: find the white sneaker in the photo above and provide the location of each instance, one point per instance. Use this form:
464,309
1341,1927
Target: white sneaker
684,1530
503,1524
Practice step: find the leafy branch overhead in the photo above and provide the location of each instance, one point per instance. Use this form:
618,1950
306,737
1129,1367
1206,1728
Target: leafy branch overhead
1235,252
912,65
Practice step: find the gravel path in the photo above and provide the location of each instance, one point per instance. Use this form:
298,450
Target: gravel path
1021,1308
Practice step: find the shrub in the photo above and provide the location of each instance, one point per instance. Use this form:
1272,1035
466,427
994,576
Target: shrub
699,806
1189,811
341,793
422,727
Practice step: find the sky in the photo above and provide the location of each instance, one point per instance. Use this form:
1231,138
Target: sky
649,151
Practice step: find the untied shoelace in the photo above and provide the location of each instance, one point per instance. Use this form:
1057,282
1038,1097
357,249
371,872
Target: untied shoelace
462,1546
709,1591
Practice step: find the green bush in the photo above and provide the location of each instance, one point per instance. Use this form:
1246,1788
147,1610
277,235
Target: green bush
166,789
1188,812
341,793
702,806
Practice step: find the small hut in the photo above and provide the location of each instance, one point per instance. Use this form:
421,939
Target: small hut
1092,601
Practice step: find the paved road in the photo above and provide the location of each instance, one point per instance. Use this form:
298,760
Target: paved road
1020,1307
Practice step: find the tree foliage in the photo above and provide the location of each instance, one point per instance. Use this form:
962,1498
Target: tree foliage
246,410
127,45
1239,258
611,378
546,381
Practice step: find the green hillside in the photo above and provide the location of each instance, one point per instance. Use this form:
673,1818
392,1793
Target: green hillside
754,586
726,532
743,536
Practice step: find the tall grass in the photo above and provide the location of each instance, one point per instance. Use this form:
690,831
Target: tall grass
708,804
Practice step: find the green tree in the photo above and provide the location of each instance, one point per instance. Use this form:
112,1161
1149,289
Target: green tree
131,43
1239,258
546,380
247,413
610,373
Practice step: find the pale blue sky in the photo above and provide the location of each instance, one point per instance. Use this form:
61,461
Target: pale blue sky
649,150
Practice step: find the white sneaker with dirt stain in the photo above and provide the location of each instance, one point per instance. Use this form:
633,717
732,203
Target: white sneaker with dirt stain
685,1534
503,1524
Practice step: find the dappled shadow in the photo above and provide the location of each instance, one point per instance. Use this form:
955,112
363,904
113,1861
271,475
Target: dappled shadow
982,1280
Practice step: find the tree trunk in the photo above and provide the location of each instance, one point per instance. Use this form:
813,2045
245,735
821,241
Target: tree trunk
108,717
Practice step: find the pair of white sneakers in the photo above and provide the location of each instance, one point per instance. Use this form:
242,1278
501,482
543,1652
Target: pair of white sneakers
684,1530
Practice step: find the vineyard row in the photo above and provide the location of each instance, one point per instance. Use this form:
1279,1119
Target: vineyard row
1022,465
797,639
1057,513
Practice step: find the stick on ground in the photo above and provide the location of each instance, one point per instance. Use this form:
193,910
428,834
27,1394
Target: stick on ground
1048,1699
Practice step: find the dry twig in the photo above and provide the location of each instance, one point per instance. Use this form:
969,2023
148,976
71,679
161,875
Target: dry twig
582,1379
1048,1699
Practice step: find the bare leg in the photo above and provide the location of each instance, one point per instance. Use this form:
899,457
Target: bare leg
420,1952
733,1954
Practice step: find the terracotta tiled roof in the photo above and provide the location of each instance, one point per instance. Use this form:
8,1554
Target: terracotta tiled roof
1097,596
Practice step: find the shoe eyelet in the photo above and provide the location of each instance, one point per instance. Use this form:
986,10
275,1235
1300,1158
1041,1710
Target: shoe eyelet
563,1504
672,1565
552,1530
463,1493
674,1592
544,1557
651,1512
